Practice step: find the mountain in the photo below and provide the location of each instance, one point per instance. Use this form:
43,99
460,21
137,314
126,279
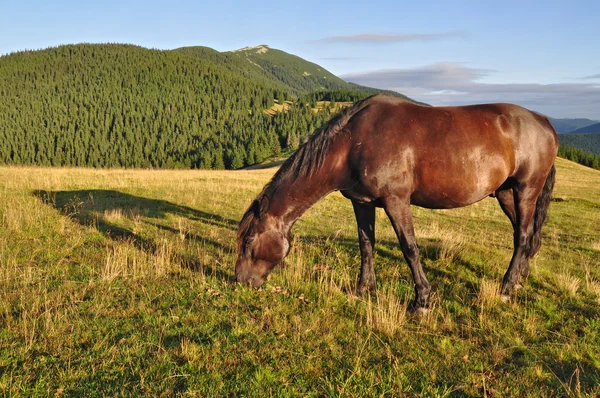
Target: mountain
233,63
280,69
293,71
592,129
569,125
115,105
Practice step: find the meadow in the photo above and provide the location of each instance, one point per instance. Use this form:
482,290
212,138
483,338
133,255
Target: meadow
120,283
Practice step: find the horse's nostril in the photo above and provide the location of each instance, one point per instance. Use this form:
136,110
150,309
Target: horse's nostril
241,277
256,282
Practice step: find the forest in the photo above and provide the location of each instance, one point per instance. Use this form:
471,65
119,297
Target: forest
579,155
587,142
126,106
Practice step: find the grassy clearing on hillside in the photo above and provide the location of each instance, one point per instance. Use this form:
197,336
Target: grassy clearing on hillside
285,106
119,283
338,106
278,107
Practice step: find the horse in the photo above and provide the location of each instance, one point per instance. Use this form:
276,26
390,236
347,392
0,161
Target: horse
388,152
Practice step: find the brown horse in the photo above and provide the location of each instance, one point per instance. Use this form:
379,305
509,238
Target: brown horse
387,152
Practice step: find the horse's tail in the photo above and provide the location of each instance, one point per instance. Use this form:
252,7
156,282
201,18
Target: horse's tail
541,212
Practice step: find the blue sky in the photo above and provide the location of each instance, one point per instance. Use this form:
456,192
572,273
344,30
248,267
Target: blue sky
540,54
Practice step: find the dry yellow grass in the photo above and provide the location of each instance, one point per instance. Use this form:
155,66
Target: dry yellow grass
338,105
278,107
568,283
134,268
385,313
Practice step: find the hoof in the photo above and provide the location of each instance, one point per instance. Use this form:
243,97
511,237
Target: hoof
506,293
363,289
420,311
416,309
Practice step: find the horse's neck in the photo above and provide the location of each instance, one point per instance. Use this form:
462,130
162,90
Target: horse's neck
298,191
294,196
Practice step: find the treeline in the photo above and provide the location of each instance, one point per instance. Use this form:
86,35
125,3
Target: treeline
587,142
127,106
579,156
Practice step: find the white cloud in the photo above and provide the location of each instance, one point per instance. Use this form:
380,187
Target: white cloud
391,38
451,83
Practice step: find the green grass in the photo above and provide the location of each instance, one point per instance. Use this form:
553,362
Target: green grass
119,283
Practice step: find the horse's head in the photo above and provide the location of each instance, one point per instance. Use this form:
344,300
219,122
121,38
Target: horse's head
262,243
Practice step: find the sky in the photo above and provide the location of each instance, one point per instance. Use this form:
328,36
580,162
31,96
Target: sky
543,55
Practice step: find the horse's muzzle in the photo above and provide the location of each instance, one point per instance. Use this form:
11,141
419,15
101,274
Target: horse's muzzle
247,278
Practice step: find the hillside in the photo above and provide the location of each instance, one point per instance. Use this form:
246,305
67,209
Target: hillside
569,125
112,105
291,70
119,282
294,75
235,64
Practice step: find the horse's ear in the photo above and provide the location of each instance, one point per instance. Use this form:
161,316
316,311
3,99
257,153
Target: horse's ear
264,205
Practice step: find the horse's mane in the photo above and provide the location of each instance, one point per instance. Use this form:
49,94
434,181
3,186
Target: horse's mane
304,162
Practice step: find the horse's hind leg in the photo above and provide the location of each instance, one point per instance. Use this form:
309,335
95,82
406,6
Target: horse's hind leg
365,219
526,197
506,198
398,210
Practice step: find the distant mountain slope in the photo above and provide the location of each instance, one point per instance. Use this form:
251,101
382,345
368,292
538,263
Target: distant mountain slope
234,63
587,142
592,129
283,70
570,125
291,69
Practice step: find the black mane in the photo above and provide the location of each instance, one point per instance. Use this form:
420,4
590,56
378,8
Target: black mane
305,161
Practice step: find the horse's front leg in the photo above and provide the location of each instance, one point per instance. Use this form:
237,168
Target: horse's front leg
365,219
398,210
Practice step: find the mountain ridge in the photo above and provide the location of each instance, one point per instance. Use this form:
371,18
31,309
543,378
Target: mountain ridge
591,129
569,125
280,67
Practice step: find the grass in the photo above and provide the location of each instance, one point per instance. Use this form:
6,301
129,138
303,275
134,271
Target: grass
285,106
119,283
278,107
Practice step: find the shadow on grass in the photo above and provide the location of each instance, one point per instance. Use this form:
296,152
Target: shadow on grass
88,207
461,273
571,378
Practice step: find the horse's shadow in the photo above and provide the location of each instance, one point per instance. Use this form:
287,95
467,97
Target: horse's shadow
459,271
91,207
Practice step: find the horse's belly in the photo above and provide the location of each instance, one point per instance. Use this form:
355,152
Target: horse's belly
446,199
457,178
448,190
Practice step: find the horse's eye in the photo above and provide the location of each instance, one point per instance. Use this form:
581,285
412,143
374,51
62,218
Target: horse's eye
247,243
